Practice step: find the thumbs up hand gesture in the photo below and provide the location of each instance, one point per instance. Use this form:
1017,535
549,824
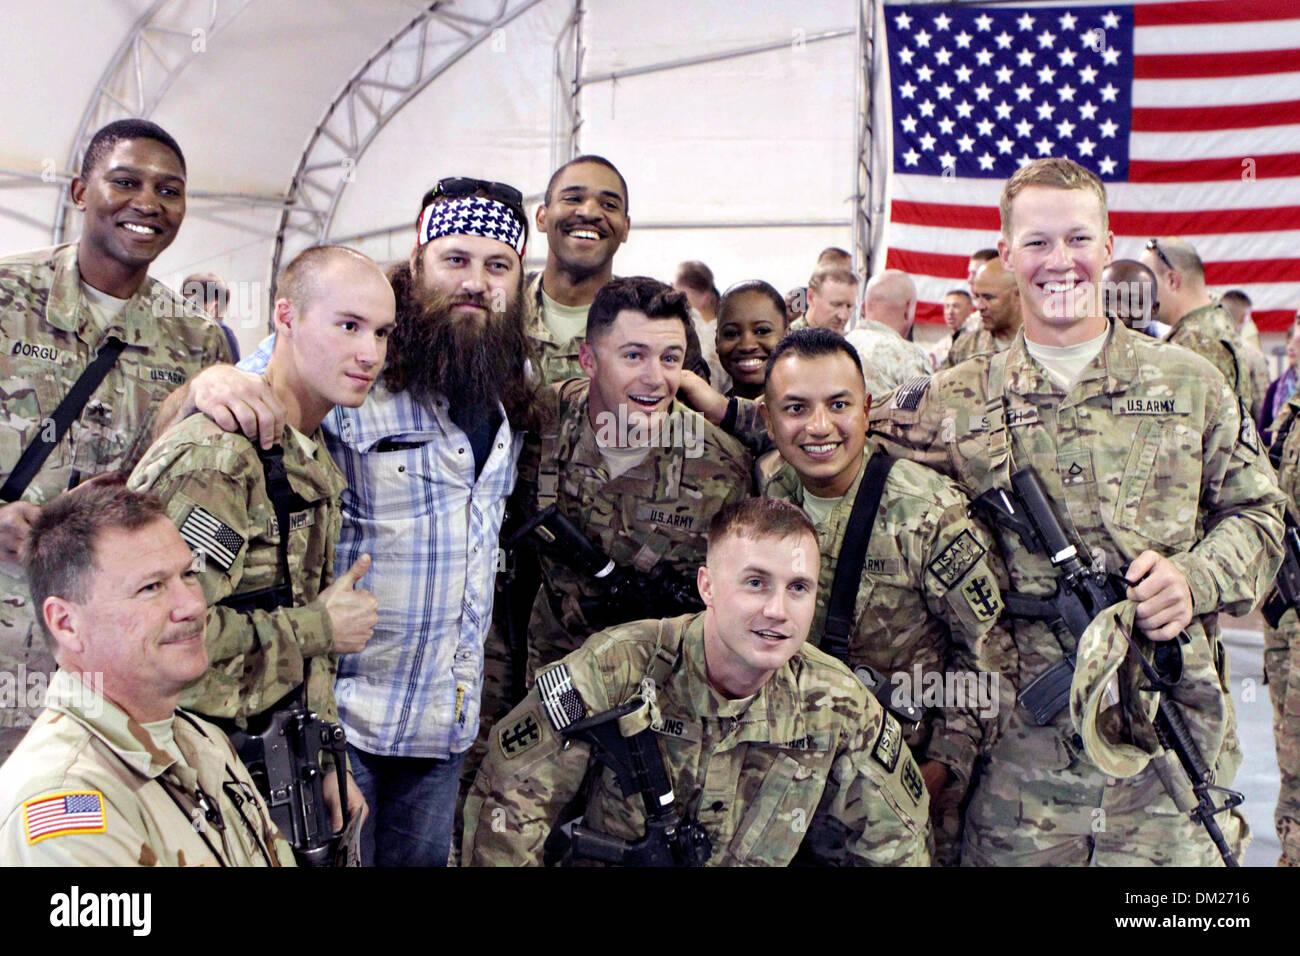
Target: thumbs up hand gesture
353,611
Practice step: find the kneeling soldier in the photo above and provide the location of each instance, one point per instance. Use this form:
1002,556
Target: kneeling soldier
760,747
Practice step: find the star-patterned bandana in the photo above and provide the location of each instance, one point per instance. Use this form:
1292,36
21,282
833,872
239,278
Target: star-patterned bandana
472,216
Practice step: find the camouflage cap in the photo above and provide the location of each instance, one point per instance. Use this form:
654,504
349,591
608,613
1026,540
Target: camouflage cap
1108,705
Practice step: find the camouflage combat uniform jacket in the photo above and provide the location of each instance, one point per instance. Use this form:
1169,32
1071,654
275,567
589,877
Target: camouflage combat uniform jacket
1212,333
1146,451
1281,666
888,359
212,480
969,344
654,515
558,360
810,762
84,745
928,601
48,335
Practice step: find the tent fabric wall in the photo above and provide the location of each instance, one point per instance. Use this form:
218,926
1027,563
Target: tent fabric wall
747,140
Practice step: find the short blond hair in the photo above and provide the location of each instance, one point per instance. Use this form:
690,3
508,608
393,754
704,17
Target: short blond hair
1055,172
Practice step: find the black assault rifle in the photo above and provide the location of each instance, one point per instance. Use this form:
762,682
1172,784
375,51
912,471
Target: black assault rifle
627,594
639,768
1082,594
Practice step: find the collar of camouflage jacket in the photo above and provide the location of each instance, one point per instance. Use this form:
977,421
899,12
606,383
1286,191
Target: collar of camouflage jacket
67,309
1115,368
773,715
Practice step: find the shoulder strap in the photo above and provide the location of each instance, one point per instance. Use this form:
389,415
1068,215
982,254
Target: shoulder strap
35,454
281,494
1279,439
667,650
853,555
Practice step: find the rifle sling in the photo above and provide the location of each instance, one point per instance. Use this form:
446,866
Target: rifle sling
853,556
35,454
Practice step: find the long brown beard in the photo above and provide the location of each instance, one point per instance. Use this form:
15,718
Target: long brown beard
466,359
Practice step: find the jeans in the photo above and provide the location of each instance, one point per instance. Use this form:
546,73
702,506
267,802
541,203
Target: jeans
412,806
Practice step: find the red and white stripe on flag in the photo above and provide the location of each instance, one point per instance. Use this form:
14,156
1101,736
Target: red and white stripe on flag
1213,140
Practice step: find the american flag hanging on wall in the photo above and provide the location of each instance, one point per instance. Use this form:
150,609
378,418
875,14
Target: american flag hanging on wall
1189,112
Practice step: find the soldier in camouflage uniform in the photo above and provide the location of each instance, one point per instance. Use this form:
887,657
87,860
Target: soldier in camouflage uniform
832,290
639,474
1281,644
58,308
1154,474
585,219
770,746
216,492
112,773
1199,322
928,600
998,302
888,358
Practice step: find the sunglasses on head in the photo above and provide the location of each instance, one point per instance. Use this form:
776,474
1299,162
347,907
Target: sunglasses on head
1154,246
456,186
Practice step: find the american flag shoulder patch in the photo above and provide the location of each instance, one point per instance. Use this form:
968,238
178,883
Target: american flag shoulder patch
75,811
908,395
560,699
205,532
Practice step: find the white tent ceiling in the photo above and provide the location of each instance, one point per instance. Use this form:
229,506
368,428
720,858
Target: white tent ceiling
714,153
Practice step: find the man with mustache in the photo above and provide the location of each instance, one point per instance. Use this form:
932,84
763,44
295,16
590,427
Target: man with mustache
585,218
998,304
59,309
429,460
113,773
333,316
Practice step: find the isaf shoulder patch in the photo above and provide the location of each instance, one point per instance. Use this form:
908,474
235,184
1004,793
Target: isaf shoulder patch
908,395
560,699
206,533
75,811
520,737
889,744
956,559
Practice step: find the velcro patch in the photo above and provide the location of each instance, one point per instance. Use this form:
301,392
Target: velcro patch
913,782
206,533
982,597
520,737
1248,436
955,560
1139,405
299,519
1021,416
560,699
888,566
75,811
889,744
908,395
672,727
665,517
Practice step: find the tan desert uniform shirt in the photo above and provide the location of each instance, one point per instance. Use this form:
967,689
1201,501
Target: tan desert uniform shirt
48,335
1147,451
148,801
655,514
215,491
928,601
810,762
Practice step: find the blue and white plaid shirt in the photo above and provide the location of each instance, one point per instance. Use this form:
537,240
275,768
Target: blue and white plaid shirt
432,531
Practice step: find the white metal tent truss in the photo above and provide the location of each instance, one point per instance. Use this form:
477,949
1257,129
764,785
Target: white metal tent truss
154,53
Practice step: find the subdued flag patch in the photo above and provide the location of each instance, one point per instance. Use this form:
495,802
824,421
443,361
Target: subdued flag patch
80,811
204,531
